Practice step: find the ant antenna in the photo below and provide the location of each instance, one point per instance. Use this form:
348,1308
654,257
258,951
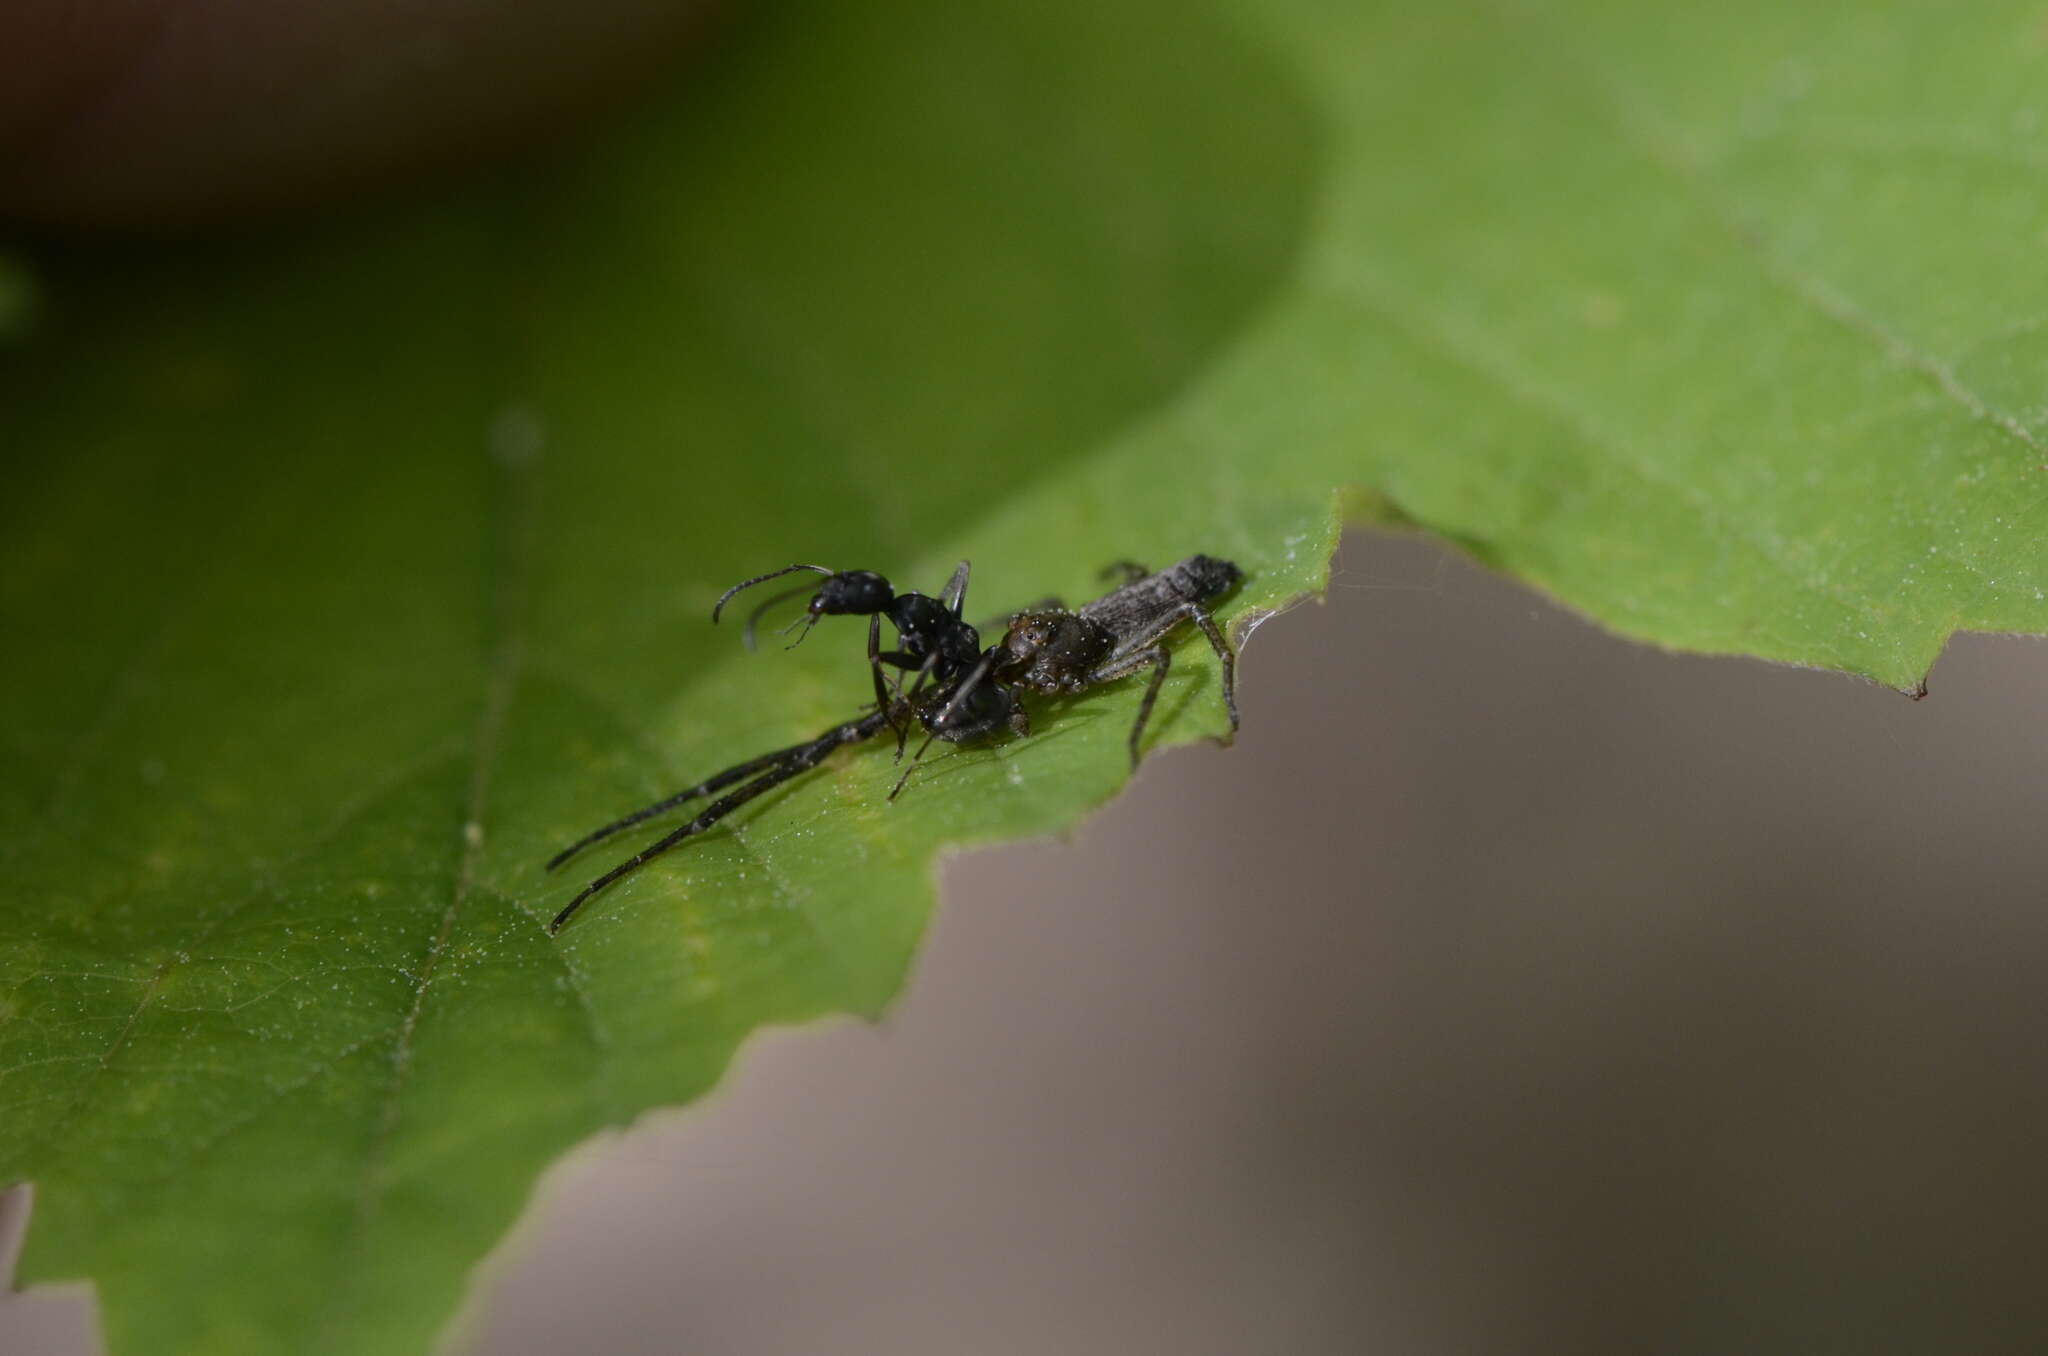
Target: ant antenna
726,596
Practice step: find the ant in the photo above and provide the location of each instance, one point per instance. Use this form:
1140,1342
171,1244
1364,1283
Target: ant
933,640
1046,648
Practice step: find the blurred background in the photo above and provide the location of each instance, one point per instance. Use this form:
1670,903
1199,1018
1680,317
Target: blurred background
1507,988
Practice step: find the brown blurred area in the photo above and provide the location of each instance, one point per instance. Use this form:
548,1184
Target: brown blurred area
178,114
1508,988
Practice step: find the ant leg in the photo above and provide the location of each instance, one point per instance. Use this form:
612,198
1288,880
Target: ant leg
1018,721
931,662
915,759
786,764
875,670
937,723
921,669
726,778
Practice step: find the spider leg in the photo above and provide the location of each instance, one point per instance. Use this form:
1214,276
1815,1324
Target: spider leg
1226,659
1160,661
782,766
1156,655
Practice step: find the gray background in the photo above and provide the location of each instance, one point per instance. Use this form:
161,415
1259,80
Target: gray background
1508,988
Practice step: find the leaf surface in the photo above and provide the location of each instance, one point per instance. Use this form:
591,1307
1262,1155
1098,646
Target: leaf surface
349,575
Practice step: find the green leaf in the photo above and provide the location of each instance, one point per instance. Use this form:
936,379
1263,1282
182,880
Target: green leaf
348,575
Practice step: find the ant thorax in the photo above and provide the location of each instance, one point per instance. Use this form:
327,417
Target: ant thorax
1054,651
925,626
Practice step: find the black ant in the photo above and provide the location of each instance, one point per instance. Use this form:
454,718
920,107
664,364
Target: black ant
933,640
1046,648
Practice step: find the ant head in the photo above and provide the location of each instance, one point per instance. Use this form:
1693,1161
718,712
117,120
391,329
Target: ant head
858,593
861,592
